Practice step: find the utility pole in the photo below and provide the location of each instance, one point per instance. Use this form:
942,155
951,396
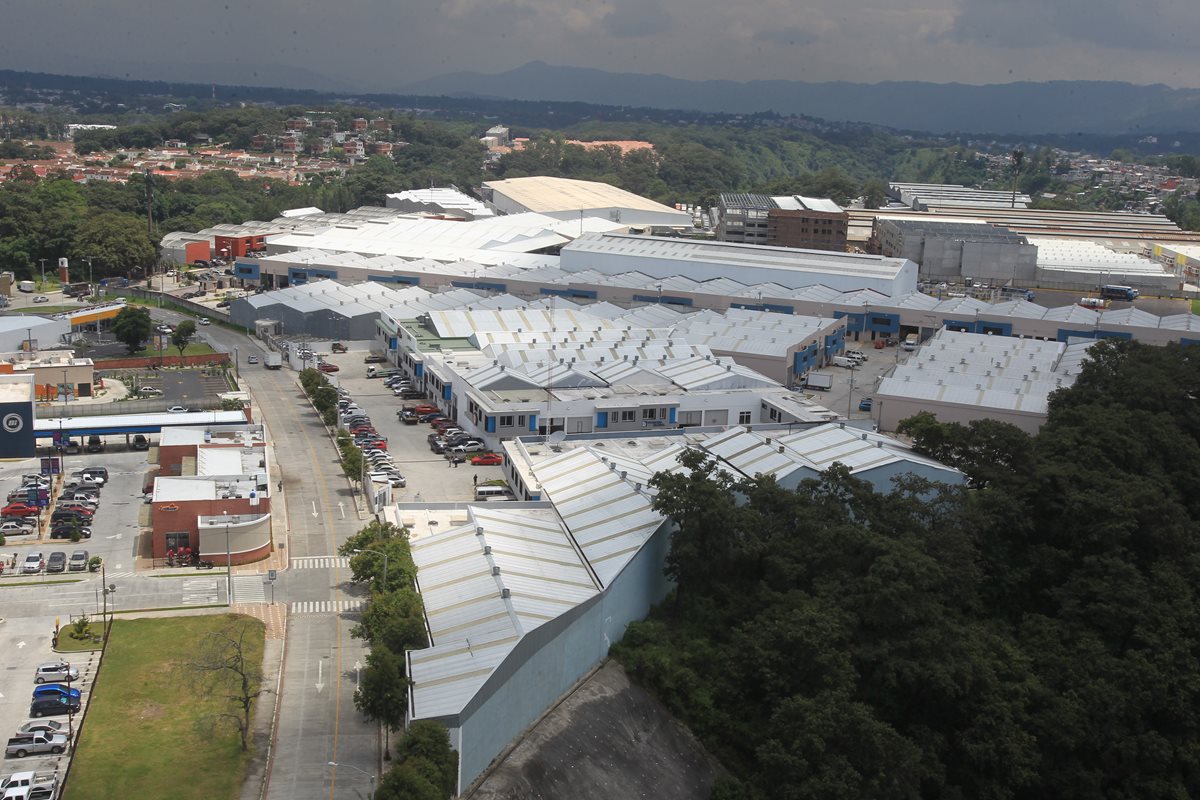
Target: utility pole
149,207
43,273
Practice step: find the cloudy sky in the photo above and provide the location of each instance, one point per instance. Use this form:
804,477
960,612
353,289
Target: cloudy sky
383,44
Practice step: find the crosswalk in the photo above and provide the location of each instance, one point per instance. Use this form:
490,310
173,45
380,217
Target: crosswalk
200,592
118,575
249,589
327,606
320,562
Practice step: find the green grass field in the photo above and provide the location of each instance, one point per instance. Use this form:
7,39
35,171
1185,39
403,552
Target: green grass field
149,731
1196,306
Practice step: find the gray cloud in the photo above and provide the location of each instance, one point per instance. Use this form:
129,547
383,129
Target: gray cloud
634,18
379,45
786,36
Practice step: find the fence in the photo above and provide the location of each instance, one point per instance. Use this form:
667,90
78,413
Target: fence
139,362
122,407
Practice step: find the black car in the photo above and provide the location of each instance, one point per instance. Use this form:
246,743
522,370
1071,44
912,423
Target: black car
57,562
140,442
53,706
67,531
95,444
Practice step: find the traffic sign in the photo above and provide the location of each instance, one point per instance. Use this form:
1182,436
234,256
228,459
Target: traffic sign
271,574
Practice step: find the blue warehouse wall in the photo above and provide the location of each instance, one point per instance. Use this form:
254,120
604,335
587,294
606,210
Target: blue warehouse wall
549,660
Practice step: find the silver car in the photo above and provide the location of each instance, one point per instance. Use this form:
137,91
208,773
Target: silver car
55,672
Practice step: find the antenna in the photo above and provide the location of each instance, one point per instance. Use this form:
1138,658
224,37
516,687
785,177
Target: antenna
555,439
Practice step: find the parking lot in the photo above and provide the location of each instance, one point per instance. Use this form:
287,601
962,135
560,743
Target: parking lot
430,477
24,644
174,386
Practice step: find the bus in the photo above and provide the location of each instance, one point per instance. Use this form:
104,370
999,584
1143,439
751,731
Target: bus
1115,292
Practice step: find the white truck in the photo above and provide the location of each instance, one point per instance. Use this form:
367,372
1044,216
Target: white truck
26,286
29,786
820,381
273,361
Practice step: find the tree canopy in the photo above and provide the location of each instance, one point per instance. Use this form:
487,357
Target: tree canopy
1033,635
132,327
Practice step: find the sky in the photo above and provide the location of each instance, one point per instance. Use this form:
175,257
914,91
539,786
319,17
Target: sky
380,45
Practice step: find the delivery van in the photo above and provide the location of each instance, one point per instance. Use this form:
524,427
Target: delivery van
26,286
911,342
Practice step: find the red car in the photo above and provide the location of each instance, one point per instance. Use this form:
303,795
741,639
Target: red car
76,507
375,445
325,366
487,460
19,510
425,408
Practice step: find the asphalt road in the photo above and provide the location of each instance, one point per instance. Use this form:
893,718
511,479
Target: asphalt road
317,719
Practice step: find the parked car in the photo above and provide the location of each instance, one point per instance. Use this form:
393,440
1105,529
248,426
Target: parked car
469,447
66,531
53,706
251,359
47,725
78,561
19,510
140,442
325,366
56,690
55,671
34,743
374,358
95,472
15,529
487,460
864,404
204,321
72,447
57,562
41,298
95,444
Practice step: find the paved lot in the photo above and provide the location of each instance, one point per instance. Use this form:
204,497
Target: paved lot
429,476
178,386
25,643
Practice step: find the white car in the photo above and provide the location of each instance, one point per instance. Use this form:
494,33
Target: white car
251,359
55,672
41,298
176,410
204,321
32,564
14,528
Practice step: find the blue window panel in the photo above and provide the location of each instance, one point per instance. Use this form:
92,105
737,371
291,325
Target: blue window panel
960,325
1123,336
410,280
297,277
419,369
246,271
602,419
665,299
535,497
582,293
671,415
446,390
996,328
533,422
393,343
489,424
779,309
1186,341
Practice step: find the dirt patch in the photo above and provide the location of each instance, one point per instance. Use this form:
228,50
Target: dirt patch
150,711
608,739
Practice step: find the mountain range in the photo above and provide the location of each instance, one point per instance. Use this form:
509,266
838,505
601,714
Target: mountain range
1106,107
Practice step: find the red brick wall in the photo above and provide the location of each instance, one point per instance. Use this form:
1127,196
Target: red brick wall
166,361
175,516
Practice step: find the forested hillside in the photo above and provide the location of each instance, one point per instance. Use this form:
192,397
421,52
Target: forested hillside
1034,636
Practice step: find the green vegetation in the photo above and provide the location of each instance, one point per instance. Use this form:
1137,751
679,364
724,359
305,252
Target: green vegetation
393,622
182,336
132,327
1030,636
193,349
147,718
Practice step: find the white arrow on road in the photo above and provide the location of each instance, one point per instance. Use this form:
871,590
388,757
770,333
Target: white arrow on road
314,504
114,536
357,669
341,509
20,645
320,680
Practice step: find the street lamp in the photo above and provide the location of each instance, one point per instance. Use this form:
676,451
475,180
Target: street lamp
370,775
89,260
385,563
228,562
66,395
43,286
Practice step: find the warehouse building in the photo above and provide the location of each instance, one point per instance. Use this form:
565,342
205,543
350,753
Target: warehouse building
1073,263
439,201
959,377
937,196
523,599
573,200
954,251
789,221
663,257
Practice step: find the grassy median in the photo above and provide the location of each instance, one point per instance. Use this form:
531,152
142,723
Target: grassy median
153,729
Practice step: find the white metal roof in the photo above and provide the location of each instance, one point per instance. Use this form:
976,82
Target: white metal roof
548,194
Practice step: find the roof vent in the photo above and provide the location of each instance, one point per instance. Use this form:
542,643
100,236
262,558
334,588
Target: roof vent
495,570
864,437
479,531
637,487
780,448
624,474
487,549
505,594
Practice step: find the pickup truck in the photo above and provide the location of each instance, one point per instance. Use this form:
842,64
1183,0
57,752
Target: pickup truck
29,785
39,742
338,347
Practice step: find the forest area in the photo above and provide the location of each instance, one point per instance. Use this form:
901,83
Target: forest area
119,224
1033,634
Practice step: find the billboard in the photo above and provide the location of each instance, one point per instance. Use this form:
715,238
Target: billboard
16,430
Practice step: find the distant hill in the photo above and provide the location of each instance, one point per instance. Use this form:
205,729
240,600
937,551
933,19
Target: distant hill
1104,107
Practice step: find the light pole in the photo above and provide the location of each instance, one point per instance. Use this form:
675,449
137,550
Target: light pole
385,563
66,395
90,290
228,562
371,775
43,286
850,395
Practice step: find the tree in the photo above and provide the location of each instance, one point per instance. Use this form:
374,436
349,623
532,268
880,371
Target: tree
394,619
874,193
132,327
429,742
116,243
383,694
1018,160
182,336
223,666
